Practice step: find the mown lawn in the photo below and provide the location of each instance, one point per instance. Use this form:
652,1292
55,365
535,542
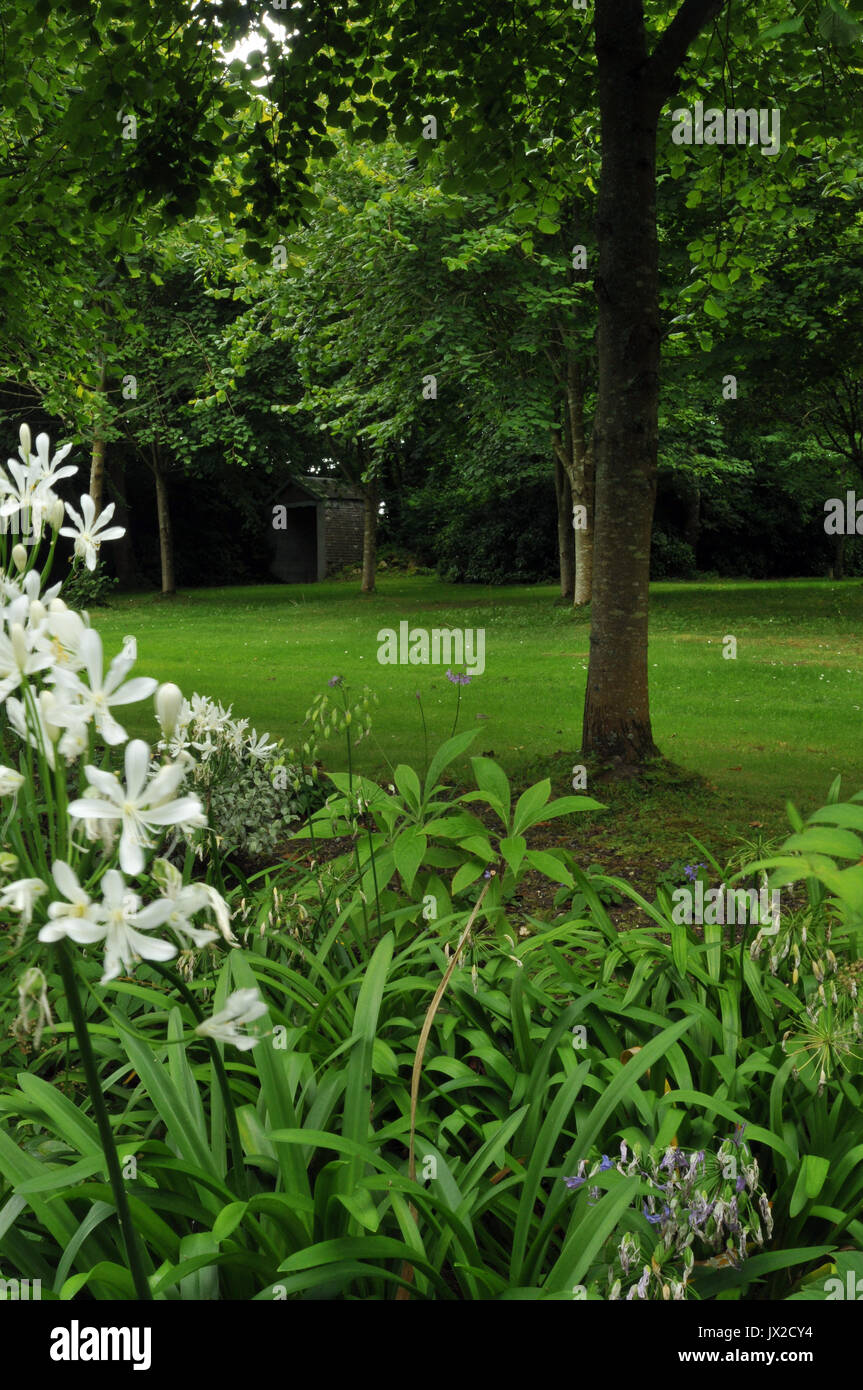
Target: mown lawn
778,722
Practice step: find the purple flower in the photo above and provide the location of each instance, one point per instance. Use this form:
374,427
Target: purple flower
605,1164
458,678
335,680
655,1217
691,871
740,1184
574,1182
700,1211
737,1136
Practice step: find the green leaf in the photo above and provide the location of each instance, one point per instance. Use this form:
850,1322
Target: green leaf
408,784
447,753
409,849
529,806
810,1180
493,781
513,850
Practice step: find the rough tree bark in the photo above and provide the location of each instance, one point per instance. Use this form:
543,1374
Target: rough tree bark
633,87
97,457
565,536
370,535
582,483
166,535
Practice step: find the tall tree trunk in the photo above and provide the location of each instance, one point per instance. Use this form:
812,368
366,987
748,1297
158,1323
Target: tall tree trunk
370,535
583,484
565,537
838,569
166,535
632,90
97,457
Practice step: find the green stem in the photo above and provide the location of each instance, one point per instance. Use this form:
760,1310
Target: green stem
134,1249
221,1076
457,708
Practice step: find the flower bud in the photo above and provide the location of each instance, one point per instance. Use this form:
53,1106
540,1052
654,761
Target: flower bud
18,638
47,705
168,701
26,440
19,557
56,513
8,863
10,781
38,612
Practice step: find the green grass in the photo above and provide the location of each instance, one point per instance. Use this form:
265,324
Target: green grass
778,722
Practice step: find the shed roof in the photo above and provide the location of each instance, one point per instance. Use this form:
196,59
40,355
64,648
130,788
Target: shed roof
323,489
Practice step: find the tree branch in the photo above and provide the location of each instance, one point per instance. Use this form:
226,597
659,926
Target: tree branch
672,48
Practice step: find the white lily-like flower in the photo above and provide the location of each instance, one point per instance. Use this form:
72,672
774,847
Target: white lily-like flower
121,922
139,807
79,702
10,781
30,725
87,529
79,917
48,468
221,912
258,748
32,993
184,900
60,635
21,897
18,659
243,1006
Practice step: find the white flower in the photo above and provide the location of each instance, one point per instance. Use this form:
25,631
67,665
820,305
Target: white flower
168,702
10,781
83,702
18,659
259,749
30,725
87,528
21,897
243,1006
32,989
184,900
48,469
220,911
121,922
139,807
60,635
79,917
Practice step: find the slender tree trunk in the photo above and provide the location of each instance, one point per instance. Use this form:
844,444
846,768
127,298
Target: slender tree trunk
633,87
583,484
838,569
565,538
166,535
97,457
370,535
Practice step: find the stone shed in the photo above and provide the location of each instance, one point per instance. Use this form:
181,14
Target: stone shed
317,527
